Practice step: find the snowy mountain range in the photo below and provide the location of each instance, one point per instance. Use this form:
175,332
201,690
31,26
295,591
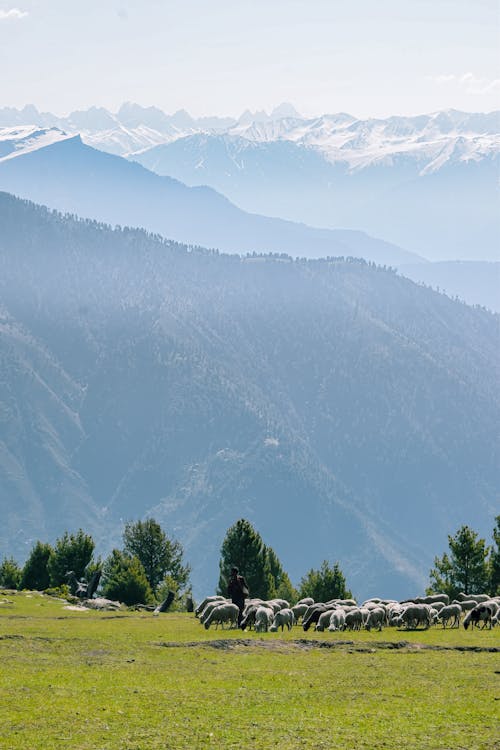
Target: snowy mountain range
432,139
427,183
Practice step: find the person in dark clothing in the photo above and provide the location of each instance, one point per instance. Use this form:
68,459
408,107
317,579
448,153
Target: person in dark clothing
237,589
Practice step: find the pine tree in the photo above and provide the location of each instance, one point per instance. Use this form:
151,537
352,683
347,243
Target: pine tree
243,548
10,574
465,568
35,573
282,585
125,579
159,555
495,561
72,552
324,584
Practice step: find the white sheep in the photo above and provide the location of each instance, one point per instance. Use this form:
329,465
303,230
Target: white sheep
299,611
451,612
306,600
324,620
354,619
337,620
477,597
284,617
376,619
263,619
414,615
209,608
227,612
205,601
466,604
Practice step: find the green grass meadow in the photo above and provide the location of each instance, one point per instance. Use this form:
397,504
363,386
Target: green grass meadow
132,681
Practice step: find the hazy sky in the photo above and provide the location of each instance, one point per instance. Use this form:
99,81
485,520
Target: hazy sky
366,57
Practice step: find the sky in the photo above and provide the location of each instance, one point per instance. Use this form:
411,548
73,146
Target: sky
365,57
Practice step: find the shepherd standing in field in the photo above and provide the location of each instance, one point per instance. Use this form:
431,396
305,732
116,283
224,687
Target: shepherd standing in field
237,589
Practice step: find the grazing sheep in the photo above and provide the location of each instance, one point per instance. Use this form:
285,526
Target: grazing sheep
452,611
282,618
205,601
337,620
306,600
376,619
272,604
466,605
468,597
249,616
263,619
354,619
299,611
312,615
432,599
227,612
209,608
414,615
324,620
484,612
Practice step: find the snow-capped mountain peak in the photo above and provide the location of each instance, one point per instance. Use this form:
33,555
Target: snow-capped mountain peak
21,140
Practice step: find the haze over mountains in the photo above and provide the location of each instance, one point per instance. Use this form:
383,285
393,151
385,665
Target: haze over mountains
347,412
427,183
60,171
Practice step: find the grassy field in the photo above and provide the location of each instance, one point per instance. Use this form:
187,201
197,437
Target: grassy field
131,681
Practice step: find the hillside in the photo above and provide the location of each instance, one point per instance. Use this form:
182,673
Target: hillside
62,172
347,412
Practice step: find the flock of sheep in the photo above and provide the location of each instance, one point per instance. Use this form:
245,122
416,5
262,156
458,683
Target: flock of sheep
345,614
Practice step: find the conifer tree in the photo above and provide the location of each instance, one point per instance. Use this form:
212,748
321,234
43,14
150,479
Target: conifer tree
10,574
495,561
465,568
125,579
35,573
159,555
72,552
324,584
243,548
282,585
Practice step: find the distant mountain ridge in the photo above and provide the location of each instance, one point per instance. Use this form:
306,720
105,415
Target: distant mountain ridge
347,412
50,167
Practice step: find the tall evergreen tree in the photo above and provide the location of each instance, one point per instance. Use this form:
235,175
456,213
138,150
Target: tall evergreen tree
281,582
324,584
125,579
243,548
35,573
159,555
72,552
465,568
10,574
495,561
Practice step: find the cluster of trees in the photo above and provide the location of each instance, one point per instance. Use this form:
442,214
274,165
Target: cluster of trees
469,566
244,548
150,564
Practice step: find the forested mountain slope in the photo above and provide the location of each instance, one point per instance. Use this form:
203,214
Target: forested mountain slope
347,412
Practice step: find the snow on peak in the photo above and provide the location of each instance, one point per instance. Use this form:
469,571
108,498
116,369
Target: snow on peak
21,140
